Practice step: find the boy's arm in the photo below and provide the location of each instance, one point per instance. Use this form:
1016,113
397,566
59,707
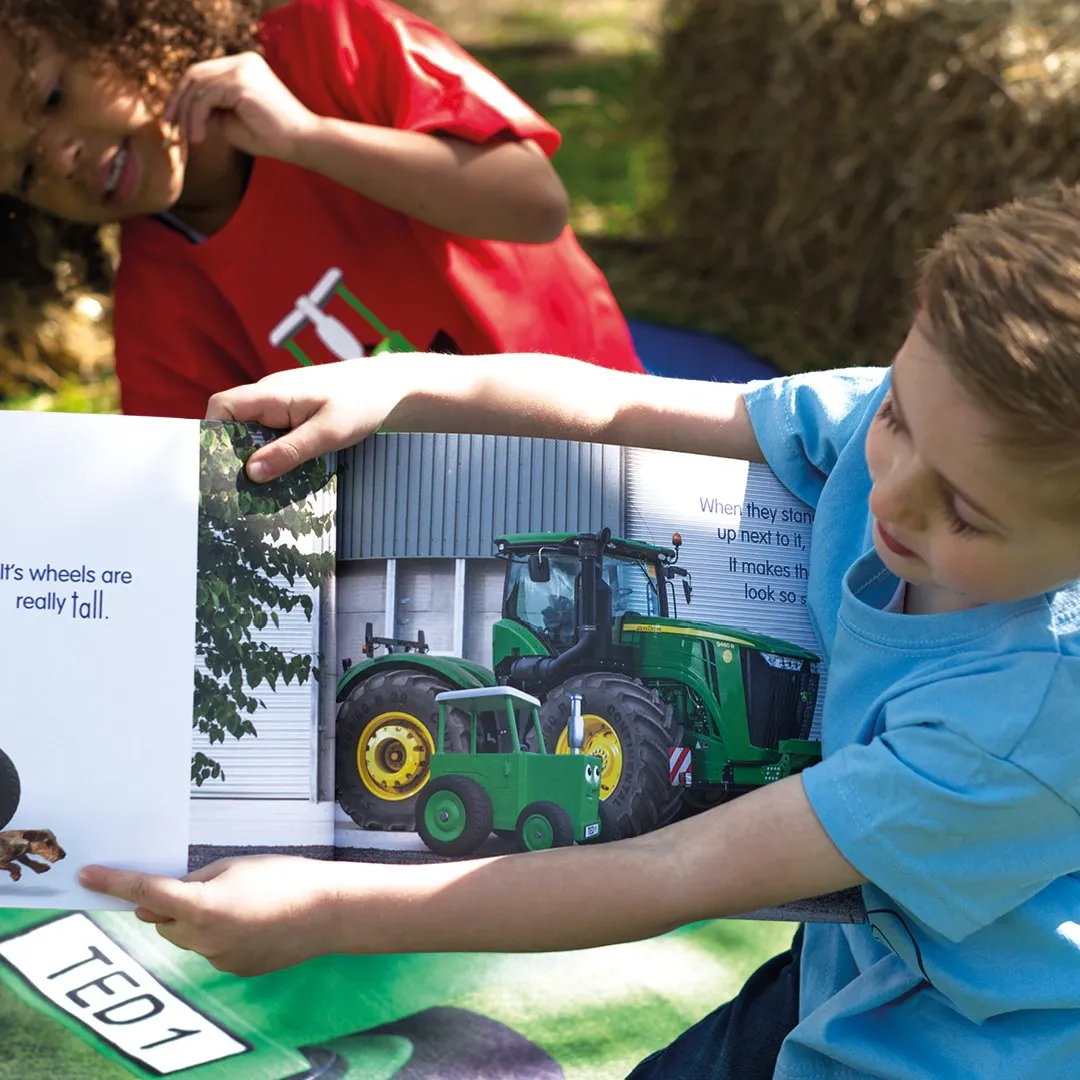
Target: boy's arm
505,189
502,189
382,102
332,406
251,916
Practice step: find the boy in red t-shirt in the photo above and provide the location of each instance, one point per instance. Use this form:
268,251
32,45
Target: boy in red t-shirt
297,183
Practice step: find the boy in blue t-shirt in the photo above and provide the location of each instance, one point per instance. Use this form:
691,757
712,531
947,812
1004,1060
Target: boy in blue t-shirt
943,588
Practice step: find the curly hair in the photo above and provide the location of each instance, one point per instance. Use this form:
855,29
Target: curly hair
151,41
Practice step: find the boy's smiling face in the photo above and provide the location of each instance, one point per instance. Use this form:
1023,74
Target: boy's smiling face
82,144
952,512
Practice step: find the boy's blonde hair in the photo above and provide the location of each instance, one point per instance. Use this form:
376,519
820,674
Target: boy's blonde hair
999,295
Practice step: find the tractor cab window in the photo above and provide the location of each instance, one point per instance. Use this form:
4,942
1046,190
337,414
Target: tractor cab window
633,587
548,606
493,734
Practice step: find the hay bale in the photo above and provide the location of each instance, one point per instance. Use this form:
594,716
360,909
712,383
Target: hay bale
817,146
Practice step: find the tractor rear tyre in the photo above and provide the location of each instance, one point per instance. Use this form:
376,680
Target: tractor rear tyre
453,815
543,825
10,790
386,732
632,730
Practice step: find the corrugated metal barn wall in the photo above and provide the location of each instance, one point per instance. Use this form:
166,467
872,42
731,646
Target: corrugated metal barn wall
450,496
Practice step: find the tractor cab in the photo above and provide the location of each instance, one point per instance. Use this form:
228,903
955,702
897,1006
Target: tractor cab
564,596
557,582
547,574
506,781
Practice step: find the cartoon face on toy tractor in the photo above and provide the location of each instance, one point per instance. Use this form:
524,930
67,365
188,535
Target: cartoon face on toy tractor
498,784
10,790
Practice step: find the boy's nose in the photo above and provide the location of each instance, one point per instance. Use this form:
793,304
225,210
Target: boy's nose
899,496
60,153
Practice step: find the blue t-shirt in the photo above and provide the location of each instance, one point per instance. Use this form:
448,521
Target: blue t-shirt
950,779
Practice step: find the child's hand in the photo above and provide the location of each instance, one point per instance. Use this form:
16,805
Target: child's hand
247,916
258,114
324,408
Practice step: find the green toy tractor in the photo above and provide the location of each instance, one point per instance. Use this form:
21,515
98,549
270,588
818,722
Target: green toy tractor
501,784
10,790
682,714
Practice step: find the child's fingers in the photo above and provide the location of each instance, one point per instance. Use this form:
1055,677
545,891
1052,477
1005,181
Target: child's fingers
203,88
317,436
147,916
163,896
255,403
195,73
203,100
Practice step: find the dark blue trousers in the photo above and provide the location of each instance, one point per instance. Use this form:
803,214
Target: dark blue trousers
740,1040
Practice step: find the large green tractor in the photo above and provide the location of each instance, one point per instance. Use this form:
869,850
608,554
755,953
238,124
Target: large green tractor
10,791
682,713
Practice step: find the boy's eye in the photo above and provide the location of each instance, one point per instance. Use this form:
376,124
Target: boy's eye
54,99
887,415
958,525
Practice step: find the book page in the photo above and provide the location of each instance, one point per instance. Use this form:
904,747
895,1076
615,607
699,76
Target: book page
665,592
97,586
166,671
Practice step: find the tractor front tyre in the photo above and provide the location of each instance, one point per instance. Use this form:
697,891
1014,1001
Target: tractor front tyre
10,790
543,825
453,815
631,729
386,732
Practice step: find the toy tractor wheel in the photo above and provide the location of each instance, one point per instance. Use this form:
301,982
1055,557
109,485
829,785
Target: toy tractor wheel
543,825
10,790
386,732
453,815
631,729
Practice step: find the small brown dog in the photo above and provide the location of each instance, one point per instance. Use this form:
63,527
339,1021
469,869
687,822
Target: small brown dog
18,845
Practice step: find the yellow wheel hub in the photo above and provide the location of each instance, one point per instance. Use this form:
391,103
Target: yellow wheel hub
393,755
602,742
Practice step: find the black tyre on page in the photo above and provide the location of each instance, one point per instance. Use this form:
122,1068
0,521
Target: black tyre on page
10,790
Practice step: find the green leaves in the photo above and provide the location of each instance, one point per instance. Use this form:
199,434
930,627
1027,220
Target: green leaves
255,547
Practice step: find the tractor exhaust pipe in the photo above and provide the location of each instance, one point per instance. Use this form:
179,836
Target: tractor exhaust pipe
576,726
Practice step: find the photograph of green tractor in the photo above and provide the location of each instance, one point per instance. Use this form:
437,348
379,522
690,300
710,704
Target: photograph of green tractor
501,784
10,790
682,714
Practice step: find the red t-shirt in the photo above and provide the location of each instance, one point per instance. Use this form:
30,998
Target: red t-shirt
306,269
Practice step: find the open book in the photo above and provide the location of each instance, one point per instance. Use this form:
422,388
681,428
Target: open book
456,645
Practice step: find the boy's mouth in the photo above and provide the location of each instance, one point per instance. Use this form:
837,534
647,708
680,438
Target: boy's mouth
893,544
120,174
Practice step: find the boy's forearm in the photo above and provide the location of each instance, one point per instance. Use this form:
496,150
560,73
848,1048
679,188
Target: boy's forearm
760,850
555,397
502,191
536,902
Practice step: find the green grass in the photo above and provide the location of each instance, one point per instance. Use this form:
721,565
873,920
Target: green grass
600,1012
38,1048
72,395
611,158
